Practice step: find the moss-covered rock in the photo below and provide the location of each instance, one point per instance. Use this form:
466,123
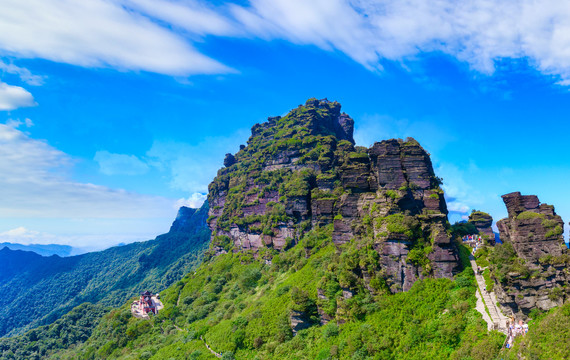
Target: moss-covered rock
306,164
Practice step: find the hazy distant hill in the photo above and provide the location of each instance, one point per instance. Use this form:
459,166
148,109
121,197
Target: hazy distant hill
44,250
37,290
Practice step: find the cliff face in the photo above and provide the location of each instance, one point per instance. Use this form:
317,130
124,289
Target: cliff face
533,272
533,228
303,171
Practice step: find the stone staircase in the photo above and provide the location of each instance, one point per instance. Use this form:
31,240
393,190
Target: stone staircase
497,320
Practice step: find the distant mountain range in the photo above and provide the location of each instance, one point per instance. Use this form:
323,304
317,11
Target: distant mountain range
44,250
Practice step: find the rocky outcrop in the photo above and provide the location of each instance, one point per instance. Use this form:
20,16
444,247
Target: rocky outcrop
298,321
533,260
533,229
229,160
302,171
483,222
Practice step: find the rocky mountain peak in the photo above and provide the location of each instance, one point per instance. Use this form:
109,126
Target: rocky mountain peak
302,171
316,117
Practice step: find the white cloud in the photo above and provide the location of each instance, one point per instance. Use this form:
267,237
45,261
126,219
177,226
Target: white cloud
324,23
97,33
192,167
34,184
120,164
13,97
37,194
460,195
194,201
156,35
21,235
192,16
478,32
24,74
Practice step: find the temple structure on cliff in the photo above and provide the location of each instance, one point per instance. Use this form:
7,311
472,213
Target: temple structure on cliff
147,303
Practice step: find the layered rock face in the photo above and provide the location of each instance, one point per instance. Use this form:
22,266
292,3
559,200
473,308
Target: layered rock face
303,171
483,222
533,228
535,273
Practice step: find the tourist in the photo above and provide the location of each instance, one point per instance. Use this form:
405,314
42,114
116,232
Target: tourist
519,328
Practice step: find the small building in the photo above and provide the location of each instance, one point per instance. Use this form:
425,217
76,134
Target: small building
146,303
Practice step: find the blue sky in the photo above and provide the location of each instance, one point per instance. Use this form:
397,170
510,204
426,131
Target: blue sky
115,113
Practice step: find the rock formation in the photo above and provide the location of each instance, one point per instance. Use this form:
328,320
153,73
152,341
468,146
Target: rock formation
483,222
533,228
532,266
302,171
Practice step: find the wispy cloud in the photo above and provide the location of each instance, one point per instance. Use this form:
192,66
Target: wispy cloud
120,164
192,16
35,185
81,242
460,195
21,235
194,201
158,35
24,74
97,33
193,166
14,97
478,32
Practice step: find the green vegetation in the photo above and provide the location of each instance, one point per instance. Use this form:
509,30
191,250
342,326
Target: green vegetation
39,290
489,283
312,299
556,231
527,215
477,215
392,194
400,224
300,137
548,337
503,260
460,229
241,307
482,256
73,328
